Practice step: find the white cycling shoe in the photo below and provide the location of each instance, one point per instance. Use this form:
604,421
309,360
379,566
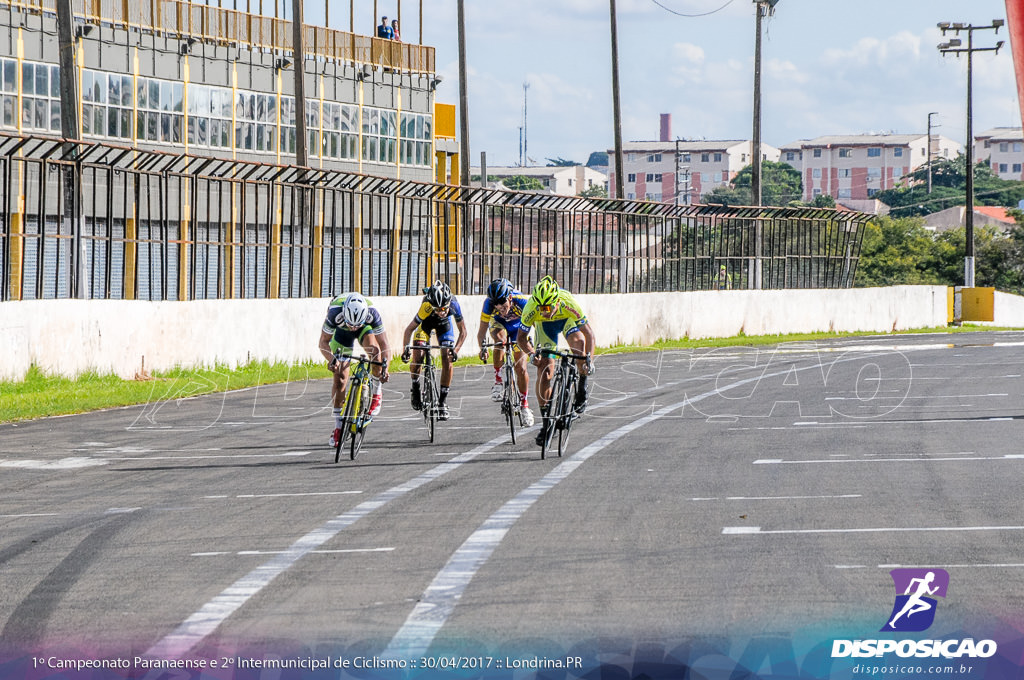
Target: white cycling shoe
527,415
497,391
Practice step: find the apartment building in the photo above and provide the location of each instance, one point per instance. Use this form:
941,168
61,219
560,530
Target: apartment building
856,167
659,171
1003,147
194,78
561,180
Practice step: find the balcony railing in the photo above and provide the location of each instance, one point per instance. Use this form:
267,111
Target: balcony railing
184,19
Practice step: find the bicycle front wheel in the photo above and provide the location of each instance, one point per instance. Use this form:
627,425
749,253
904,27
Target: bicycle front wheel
511,405
348,416
429,400
361,422
552,410
566,413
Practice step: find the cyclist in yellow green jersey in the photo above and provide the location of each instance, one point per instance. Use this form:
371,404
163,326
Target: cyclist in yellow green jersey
553,311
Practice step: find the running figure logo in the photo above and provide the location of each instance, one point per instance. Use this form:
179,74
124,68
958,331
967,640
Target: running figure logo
914,609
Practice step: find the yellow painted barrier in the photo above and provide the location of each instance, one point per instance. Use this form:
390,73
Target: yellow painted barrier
977,304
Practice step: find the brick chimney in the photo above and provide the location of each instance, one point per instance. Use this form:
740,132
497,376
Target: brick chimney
666,127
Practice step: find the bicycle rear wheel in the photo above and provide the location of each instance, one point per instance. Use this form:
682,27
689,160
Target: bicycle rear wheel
510,406
361,422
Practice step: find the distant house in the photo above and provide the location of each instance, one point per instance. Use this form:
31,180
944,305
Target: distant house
1003,147
954,217
856,167
561,180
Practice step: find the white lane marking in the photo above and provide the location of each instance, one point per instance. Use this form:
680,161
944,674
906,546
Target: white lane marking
121,511
777,498
997,565
869,530
281,552
209,617
286,454
926,458
442,595
30,514
292,495
72,463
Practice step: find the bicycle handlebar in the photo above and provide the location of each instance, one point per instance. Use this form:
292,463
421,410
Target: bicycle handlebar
361,359
415,347
564,354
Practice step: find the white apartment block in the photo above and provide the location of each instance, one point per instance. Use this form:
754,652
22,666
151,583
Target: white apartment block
1004,149
856,167
560,180
656,171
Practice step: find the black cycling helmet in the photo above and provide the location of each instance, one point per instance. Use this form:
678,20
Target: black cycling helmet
438,295
499,290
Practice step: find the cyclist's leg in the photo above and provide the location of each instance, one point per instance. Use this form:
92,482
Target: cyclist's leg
416,364
371,345
578,345
498,335
445,338
521,365
547,338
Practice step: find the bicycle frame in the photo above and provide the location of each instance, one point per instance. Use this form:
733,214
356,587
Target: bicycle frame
558,412
430,389
356,407
511,400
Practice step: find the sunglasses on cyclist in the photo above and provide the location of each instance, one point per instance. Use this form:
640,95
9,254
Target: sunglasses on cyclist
547,310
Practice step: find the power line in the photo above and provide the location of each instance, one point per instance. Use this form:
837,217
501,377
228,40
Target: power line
680,14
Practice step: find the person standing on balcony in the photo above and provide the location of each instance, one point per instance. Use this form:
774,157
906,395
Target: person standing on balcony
395,34
384,30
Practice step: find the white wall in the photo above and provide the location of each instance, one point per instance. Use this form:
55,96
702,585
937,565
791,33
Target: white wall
68,337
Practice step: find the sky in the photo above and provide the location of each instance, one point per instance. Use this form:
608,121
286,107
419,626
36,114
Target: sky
829,67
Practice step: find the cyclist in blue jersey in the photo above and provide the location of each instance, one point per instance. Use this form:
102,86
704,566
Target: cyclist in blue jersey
501,315
351,318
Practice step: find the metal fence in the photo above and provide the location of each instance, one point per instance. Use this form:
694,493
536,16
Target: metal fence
88,220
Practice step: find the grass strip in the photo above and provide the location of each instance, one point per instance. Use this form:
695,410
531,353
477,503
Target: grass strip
39,395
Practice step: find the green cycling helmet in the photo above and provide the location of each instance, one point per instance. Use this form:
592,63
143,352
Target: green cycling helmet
545,292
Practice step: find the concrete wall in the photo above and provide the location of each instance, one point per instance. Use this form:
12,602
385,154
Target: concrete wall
112,336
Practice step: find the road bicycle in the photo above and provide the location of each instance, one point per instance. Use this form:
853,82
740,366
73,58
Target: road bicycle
559,413
430,388
355,410
511,399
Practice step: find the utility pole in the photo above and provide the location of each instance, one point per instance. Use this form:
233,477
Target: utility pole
69,130
954,46
616,115
525,160
933,113
463,98
762,7
299,64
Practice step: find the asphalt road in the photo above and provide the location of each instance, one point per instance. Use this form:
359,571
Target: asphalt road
729,492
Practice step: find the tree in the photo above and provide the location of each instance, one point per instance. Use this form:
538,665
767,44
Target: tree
561,163
949,187
900,251
781,183
596,191
522,183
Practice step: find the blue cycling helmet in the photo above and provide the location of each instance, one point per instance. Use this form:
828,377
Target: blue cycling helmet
499,290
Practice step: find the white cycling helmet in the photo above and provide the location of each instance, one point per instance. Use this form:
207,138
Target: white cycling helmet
356,312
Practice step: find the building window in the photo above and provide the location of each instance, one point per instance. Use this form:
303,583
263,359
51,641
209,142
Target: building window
817,153
654,158
790,156
657,177
874,174
631,177
649,177
106,104
1003,168
874,152
897,152
416,133
705,158
379,135
256,122
718,158
1016,147
816,173
160,110
9,90
340,136
209,116
40,96
844,193
872,192
844,173
1003,147
817,192
686,158
1016,167
847,153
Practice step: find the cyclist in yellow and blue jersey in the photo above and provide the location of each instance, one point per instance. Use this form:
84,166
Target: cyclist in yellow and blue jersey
501,314
553,311
435,315
351,318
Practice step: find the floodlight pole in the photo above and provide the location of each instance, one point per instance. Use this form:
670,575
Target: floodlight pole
954,47
933,113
